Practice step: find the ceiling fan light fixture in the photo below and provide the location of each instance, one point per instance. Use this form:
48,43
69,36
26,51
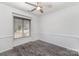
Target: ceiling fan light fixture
38,8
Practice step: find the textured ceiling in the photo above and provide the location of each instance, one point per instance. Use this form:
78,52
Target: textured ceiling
47,6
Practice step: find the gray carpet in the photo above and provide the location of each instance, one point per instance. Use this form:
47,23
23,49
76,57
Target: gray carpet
39,48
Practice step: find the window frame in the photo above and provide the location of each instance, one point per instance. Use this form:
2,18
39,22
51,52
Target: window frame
22,26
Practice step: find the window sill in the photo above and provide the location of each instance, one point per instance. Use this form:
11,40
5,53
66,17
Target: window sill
22,37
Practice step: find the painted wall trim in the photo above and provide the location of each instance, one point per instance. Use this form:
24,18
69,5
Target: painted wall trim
62,35
7,36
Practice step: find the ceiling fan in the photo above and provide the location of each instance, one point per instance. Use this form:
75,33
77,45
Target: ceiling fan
38,6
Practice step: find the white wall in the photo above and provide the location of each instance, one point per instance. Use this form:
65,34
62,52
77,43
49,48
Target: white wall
61,28
6,28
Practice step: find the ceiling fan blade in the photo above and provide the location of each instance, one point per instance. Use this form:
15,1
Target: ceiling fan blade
41,11
33,9
31,4
37,3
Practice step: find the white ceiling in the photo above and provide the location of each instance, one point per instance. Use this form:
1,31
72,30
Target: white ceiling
47,6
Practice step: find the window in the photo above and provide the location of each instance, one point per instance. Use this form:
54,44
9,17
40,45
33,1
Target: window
21,27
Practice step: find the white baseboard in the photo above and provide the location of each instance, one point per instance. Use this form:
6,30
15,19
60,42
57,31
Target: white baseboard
64,40
5,50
